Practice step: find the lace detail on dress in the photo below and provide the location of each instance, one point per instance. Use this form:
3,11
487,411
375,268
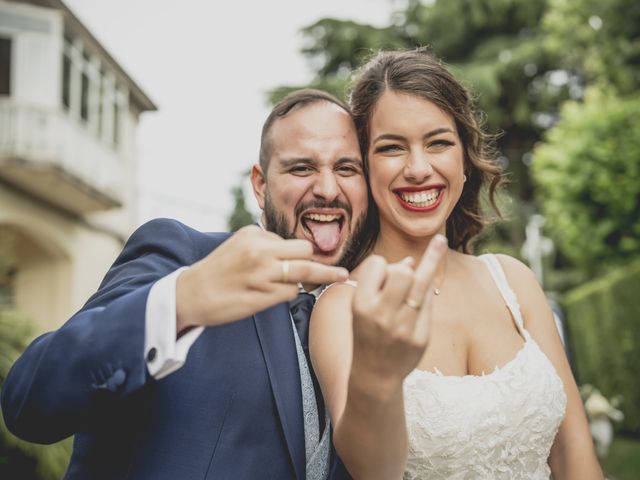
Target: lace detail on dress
495,426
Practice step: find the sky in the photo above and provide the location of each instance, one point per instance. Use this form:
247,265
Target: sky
208,66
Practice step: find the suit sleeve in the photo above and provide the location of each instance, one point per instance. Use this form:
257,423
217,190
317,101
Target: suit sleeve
97,358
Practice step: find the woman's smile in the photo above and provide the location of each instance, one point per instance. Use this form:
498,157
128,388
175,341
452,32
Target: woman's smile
420,199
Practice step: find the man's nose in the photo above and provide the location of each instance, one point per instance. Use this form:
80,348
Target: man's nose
418,167
326,186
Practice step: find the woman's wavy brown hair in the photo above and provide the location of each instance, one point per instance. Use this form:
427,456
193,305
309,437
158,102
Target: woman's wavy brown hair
421,74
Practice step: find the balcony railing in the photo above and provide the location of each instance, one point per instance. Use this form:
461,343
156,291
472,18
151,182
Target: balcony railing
57,159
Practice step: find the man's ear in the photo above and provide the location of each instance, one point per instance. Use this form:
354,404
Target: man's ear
259,184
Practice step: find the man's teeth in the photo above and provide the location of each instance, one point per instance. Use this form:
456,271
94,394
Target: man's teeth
318,217
421,199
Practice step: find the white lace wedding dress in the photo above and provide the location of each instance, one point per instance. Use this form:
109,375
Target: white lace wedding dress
496,426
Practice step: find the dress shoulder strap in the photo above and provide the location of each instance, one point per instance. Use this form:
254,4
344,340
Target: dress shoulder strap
351,283
500,279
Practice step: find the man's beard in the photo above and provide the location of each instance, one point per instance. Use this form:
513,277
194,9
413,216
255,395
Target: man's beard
277,223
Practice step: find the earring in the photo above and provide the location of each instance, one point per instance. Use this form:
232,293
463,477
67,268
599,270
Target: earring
464,178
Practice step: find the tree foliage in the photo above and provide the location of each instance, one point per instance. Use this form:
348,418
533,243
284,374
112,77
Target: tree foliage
588,164
604,335
240,215
523,60
494,46
587,170
600,39
20,459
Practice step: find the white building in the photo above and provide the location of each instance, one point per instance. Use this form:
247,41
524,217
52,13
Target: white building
68,119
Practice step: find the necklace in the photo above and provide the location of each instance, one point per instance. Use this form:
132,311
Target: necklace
438,290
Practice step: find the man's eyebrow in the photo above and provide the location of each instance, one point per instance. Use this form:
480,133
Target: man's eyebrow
432,133
351,160
289,162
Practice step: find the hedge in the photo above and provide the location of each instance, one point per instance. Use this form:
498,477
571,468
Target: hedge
603,320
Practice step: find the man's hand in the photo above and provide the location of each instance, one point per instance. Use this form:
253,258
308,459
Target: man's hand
250,272
391,312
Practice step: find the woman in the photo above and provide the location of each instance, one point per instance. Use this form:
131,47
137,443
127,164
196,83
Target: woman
425,373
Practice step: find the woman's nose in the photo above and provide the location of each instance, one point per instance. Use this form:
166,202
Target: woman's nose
418,167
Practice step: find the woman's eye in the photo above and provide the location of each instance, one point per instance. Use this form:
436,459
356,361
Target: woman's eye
441,143
392,147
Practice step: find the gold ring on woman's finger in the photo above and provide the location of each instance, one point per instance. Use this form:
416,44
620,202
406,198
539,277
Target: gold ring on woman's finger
285,271
411,303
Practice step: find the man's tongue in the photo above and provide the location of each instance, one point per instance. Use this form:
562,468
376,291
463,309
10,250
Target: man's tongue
326,235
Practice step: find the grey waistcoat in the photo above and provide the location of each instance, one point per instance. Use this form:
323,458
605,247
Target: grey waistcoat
317,449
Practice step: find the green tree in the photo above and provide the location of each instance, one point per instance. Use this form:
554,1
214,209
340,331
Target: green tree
598,39
587,171
240,216
334,49
20,459
494,46
523,59
593,147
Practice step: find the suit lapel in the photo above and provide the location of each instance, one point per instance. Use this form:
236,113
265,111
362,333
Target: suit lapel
278,347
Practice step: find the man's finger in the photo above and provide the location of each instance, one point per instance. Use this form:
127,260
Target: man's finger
294,248
307,271
269,244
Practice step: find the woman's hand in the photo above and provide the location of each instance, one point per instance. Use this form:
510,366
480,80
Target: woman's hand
363,342
391,311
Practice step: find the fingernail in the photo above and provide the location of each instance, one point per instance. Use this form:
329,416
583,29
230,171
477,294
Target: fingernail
343,274
441,242
408,261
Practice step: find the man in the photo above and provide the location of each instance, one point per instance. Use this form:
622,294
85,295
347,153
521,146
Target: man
186,363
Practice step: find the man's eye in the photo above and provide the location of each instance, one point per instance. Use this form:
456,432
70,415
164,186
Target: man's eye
348,170
300,170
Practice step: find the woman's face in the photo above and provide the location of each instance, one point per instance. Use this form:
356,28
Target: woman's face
416,164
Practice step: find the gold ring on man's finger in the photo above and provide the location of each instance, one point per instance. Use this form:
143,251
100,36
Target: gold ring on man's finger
411,303
285,271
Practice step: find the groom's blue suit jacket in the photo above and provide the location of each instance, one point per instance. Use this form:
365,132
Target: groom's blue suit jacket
233,411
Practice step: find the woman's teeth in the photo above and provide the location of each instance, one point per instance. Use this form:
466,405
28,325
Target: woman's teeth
421,199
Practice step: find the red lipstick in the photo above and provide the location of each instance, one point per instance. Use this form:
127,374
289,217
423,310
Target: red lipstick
414,208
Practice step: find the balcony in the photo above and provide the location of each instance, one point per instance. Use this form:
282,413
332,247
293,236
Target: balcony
53,157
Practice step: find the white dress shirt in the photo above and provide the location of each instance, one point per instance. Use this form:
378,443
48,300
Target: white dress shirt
169,353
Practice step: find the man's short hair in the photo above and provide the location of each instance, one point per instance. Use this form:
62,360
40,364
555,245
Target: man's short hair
292,102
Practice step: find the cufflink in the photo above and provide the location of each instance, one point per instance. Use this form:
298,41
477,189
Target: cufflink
152,354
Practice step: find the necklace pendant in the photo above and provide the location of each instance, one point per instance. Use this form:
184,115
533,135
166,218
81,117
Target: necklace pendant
436,291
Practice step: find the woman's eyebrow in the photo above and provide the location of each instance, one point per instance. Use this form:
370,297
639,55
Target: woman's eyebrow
432,133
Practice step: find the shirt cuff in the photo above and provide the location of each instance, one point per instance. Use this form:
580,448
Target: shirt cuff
163,352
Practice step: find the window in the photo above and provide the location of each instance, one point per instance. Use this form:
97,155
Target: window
5,66
116,123
84,97
90,92
66,80
100,102
84,88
